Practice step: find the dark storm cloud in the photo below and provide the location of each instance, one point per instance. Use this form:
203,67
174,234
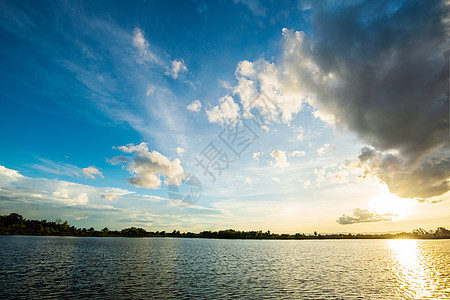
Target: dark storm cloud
425,179
392,72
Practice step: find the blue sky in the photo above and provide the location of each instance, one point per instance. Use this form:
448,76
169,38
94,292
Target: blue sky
105,103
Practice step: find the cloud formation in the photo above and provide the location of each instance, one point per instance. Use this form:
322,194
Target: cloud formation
196,106
177,66
384,78
299,131
254,6
179,150
297,153
143,47
60,168
378,70
279,159
49,166
261,86
91,172
324,149
256,155
364,216
428,177
148,167
227,111
18,189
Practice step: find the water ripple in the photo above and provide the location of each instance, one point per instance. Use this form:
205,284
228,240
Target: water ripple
58,267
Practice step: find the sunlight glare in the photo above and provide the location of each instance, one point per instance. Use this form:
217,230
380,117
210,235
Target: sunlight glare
386,202
411,269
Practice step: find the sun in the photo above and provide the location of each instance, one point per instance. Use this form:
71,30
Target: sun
386,202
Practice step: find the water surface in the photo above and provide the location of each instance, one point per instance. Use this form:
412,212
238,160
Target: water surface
73,267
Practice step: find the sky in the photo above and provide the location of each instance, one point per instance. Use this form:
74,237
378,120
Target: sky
327,116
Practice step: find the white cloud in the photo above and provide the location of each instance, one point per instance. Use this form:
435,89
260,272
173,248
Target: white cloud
275,179
130,148
91,172
196,106
177,67
179,150
297,153
149,167
226,112
322,150
261,86
256,155
299,131
145,55
280,159
9,175
245,68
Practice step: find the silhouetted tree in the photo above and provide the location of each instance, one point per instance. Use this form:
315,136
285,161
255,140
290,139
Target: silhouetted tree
16,224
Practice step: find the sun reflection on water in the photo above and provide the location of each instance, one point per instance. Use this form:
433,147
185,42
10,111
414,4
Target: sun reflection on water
413,270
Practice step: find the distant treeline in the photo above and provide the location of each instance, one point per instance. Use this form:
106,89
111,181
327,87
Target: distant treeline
15,224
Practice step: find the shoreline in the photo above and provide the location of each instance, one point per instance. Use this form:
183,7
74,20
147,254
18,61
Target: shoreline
323,237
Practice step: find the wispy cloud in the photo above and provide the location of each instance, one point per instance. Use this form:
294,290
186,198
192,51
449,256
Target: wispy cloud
59,168
297,153
254,6
143,47
324,149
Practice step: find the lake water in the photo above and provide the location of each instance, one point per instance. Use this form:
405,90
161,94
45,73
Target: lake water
66,267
